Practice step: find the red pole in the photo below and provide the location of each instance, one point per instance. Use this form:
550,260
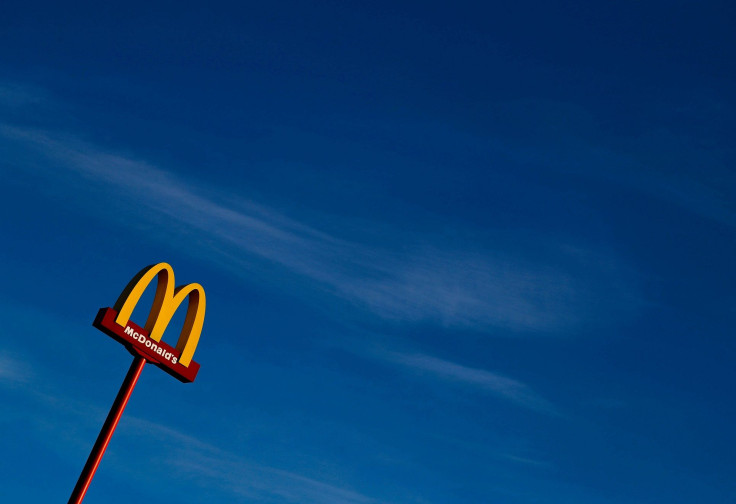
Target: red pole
103,439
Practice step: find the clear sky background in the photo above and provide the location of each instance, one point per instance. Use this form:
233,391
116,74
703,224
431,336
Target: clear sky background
461,252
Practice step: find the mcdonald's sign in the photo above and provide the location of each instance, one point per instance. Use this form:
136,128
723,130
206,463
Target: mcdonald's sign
146,341
146,346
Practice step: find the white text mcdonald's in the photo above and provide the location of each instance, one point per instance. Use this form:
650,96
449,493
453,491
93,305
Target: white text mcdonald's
146,341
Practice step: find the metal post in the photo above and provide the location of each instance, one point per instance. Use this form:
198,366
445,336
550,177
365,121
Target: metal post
103,439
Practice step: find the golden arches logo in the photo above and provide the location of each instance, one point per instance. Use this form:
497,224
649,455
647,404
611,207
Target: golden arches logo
165,303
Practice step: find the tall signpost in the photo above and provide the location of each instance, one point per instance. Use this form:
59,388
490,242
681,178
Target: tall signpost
146,346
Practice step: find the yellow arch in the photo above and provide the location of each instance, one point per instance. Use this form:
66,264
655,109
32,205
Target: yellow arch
165,303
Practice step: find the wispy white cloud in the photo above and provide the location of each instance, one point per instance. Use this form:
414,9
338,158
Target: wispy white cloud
254,482
213,467
185,457
493,383
13,370
423,281
527,461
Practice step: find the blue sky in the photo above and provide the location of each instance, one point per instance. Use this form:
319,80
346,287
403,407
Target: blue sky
453,252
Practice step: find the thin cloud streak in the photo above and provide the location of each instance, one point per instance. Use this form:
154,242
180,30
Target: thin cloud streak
14,371
496,384
213,467
253,481
454,288
207,465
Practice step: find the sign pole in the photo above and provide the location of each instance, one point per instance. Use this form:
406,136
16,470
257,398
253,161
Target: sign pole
103,439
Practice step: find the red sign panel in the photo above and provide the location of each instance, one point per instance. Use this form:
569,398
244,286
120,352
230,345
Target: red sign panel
138,342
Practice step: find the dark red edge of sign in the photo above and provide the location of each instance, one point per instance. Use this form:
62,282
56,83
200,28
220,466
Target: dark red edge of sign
105,322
